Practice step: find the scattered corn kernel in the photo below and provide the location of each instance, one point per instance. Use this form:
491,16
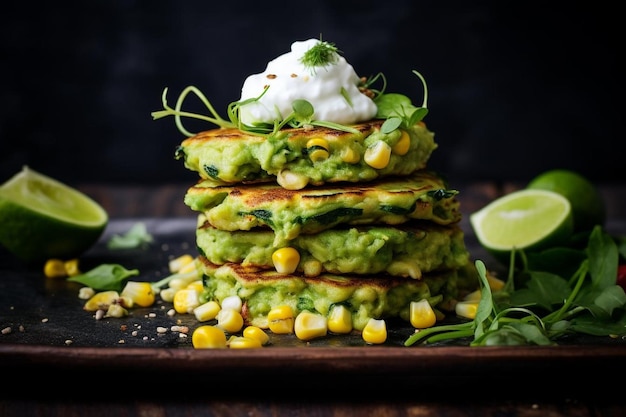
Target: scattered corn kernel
378,155
242,342
473,296
71,267
340,319
229,320
375,331
255,332
286,260
208,337
466,309
207,311
139,292
176,264
101,300
317,149
116,310
182,280
402,145
85,293
168,294
196,285
280,320
233,302
495,284
422,314
54,268
312,268
309,325
186,300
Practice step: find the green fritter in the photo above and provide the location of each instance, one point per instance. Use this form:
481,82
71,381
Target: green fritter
295,158
409,251
290,213
365,297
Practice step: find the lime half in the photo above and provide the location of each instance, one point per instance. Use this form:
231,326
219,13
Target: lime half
42,218
527,219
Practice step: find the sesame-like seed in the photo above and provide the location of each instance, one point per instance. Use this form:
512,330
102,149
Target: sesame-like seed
152,315
123,327
171,312
145,338
68,342
21,329
294,75
161,329
134,332
6,330
99,314
271,76
121,341
182,335
44,320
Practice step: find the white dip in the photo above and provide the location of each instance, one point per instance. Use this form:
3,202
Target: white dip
288,80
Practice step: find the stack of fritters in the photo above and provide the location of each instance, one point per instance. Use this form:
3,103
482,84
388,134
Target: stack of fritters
374,229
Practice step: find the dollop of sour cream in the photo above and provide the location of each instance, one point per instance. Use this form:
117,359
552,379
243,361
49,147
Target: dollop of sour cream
325,87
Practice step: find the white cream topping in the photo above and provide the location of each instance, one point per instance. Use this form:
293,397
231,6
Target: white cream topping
325,87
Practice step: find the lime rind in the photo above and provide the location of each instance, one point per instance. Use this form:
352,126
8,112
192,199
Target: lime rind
527,219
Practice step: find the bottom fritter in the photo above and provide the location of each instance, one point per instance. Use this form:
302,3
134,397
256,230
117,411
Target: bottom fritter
365,296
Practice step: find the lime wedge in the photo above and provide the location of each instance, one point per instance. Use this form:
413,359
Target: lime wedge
527,219
42,218
588,206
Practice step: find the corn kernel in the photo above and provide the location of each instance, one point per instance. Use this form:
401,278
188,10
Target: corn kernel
280,320
139,292
242,342
229,320
71,267
186,300
402,145
168,294
466,309
309,325
255,332
176,264
207,311
54,268
422,314
208,337
116,310
473,296
101,300
350,156
85,293
340,319
233,302
317,149
312,268
375,331
495,284
196,285
181,280
286,260
291,181
378,155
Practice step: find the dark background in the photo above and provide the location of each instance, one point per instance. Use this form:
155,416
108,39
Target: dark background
514,88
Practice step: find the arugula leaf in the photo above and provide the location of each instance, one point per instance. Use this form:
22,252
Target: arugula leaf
105,277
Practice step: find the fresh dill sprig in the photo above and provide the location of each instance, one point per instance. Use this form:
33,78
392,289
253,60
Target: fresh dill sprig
320,55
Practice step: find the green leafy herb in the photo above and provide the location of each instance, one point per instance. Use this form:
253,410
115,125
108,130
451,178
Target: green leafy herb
136,237
547,306
105,277
320,55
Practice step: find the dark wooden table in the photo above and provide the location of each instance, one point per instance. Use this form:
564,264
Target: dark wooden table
259,387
